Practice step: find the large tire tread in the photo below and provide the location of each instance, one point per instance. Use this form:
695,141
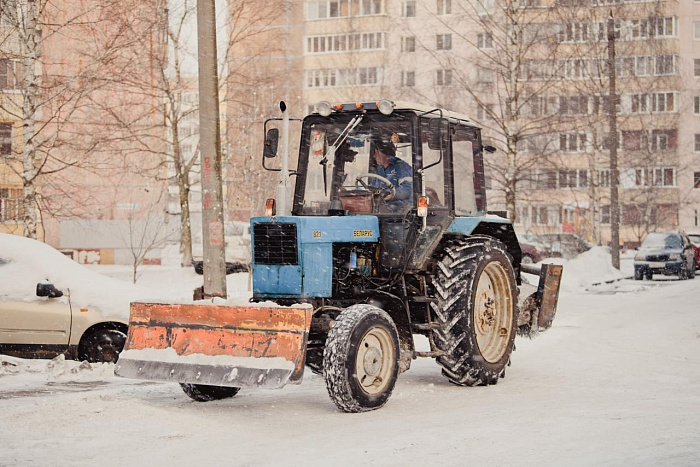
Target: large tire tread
454,283
339,358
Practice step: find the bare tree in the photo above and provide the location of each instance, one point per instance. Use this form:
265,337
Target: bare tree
63,56
499,59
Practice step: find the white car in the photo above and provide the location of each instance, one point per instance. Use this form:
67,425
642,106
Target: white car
51,305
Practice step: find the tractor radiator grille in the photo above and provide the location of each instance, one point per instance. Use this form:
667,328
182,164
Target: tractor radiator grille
275,244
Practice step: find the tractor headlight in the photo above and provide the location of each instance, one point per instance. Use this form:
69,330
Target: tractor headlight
385,106
324,108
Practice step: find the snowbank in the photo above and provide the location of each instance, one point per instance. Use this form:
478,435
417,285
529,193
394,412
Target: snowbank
588,269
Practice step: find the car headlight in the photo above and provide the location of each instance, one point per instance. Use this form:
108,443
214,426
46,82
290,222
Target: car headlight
639,257
675,257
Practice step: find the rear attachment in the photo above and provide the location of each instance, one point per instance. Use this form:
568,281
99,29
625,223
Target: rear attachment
538,310
236,346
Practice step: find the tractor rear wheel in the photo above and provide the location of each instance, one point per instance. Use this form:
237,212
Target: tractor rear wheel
361,358
204,393
476,310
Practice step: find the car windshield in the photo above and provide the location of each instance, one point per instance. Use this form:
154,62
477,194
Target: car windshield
340,158
532,239
657,241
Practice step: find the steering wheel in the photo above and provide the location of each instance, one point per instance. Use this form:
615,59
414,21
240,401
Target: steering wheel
389,187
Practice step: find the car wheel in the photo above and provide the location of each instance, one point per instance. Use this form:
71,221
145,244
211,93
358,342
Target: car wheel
527,259
638,275
102,346
649,276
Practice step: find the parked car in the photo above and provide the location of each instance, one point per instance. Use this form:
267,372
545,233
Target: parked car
668,253
694,238
51,305
566,245
532,248
237,249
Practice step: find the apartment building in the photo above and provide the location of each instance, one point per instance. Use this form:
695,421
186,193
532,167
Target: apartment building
11,209
539,85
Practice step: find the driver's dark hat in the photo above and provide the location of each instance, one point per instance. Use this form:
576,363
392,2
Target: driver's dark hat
384,145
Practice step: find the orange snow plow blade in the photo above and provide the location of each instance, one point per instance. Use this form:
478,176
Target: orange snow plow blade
237,346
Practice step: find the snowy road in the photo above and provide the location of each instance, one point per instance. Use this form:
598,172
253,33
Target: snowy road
615,382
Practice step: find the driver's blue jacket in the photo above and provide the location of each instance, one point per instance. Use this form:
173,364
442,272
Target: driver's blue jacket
400,174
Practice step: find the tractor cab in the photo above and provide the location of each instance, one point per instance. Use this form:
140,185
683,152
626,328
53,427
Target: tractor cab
398,162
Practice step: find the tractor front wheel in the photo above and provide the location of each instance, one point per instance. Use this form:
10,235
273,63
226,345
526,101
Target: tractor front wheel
360,360
475,310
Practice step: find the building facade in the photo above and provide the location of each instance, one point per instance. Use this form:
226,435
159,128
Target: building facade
535,75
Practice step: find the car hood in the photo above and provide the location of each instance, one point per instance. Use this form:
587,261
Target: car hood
658,251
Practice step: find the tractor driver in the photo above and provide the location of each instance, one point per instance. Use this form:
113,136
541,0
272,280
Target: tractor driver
397,171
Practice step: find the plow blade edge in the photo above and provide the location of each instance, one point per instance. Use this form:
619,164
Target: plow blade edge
237,346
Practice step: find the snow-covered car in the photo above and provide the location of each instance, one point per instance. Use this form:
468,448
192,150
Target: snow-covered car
694,238
668,253
51,305
566,245
237,248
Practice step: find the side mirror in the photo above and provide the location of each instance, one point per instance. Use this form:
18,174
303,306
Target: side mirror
489,149
438,133
46,289
271,141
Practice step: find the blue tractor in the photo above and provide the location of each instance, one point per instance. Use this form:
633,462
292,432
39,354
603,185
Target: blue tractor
389,236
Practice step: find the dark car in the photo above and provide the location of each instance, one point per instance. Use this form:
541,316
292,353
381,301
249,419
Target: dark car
566,245
668,253
533,249
695,241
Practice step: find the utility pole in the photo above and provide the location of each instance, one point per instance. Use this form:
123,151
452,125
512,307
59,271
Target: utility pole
612,142
210,149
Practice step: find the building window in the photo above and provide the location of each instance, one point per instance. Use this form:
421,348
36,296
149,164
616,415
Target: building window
697,142
573,32
485,76
444,7
605,214
5,139
696,30
11,207
368,76
408,78
444,41
485,7
342,8
7,74
656,102
484,112
408,9
444,77
696,179
408,44
573,105
484,40
665,65
696,105
345,42
572,142
696,67
604,178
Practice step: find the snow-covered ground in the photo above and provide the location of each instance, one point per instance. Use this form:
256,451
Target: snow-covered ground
616,381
